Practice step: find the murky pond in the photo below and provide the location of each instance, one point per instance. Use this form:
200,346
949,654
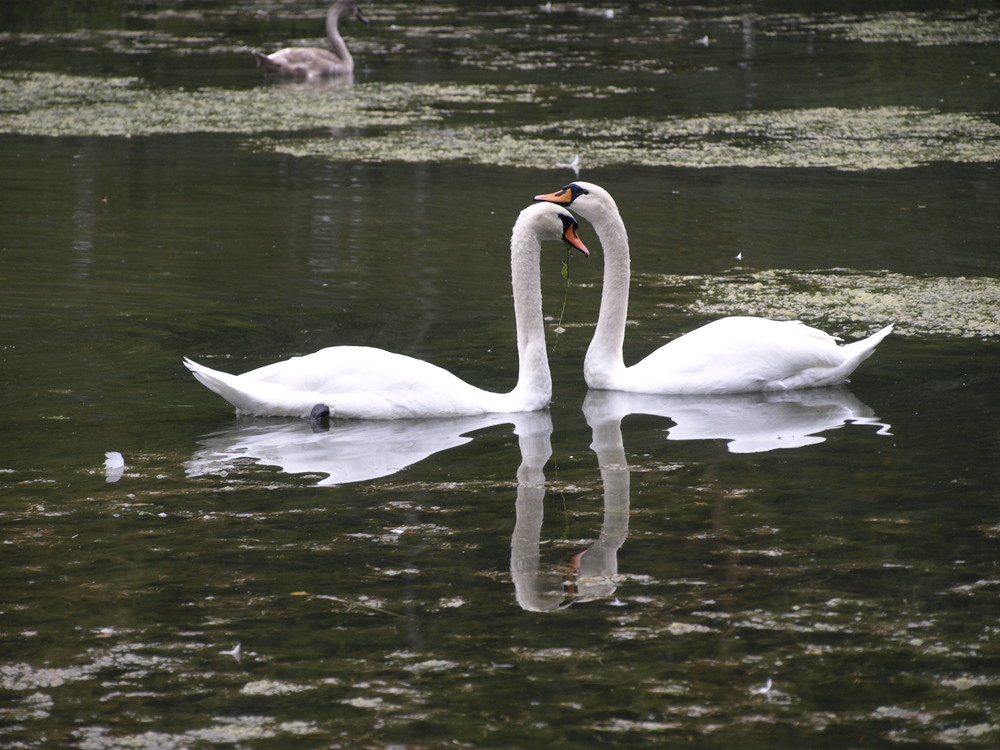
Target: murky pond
808,569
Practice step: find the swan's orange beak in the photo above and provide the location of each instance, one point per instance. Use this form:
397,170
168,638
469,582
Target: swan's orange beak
572,237
563,197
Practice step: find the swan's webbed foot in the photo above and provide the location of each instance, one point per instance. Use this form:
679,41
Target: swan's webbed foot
319,418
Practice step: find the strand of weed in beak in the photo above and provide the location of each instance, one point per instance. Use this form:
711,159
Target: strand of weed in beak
565,274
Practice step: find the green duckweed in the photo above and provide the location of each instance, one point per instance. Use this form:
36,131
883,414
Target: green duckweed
850,303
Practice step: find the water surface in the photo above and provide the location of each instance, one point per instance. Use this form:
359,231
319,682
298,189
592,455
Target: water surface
808,570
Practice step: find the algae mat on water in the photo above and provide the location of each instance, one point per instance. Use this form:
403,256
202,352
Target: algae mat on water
52,104
843,139
463,122
850,302
932,28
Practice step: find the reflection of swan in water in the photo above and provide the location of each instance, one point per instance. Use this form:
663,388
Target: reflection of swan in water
592,573
750,422
351,451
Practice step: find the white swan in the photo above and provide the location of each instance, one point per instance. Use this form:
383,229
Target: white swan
316,61
359,382
730,355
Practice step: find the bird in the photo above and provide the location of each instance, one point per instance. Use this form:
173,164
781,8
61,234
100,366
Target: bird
574,165
738,354
313,62
360,382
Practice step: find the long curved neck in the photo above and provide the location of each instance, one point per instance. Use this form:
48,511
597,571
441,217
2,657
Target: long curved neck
616,477
604,356
337,45
534,381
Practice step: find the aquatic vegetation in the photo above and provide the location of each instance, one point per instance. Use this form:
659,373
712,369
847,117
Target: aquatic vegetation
850,302
981,26
227,730
272,688
124,42
20,676
51,104
882,138
443,122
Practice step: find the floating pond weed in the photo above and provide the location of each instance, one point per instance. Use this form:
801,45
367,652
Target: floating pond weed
444,122
852,301
842,139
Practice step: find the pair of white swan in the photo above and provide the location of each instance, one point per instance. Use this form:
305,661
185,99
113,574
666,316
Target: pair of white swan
731,355
316,61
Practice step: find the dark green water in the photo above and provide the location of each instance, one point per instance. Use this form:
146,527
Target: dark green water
418,584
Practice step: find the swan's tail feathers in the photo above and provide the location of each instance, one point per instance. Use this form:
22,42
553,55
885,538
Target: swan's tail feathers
863,349
858,351
265,62
256,397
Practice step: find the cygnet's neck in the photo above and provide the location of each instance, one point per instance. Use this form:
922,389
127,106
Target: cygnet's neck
337,45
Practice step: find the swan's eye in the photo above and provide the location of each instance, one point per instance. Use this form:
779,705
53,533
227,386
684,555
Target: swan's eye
574,190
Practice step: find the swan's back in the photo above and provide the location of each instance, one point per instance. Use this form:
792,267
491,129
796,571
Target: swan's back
745,354
356,382
303,61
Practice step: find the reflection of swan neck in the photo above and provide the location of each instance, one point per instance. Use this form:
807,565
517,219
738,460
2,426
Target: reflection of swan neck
337,45
609,448
533,591
533,364
604,356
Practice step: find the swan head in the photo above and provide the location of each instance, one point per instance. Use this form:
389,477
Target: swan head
552,222
346,7
586,198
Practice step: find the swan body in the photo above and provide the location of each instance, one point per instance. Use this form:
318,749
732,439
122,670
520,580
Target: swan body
730,355
312,62
361,382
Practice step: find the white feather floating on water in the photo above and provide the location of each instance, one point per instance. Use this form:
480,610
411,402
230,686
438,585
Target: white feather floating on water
114,466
